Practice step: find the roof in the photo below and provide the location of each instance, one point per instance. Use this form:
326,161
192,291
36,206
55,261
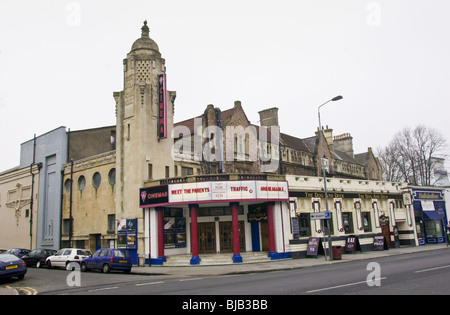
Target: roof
362,158
190,123
295,143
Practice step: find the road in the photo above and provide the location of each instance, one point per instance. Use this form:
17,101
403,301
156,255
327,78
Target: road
416,274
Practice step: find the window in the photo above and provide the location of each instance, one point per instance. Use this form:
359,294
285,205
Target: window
112,176
81,183
367,224
66,227
121,253
150,171
347,218
167,172
111,223
433,228
96,180
185,171
217,211
67,185
105,253
304,224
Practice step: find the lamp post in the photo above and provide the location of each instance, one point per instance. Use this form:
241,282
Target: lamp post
336,98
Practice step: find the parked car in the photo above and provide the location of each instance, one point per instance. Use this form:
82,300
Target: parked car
12,266
107,259
65,256
37,257
19,252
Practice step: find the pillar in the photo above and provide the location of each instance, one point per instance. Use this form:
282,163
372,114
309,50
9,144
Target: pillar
160,244
161,234
270,222
195,260
237,258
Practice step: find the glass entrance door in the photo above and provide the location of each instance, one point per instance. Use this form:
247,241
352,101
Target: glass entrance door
226,236
207,237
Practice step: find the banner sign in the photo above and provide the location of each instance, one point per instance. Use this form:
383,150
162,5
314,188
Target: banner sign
154,195
220,191
428,195
162,107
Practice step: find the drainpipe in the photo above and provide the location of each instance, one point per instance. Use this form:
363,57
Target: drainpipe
69,158
32,192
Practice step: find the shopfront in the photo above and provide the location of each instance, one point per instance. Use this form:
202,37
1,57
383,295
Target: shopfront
215,217
430,214
364,210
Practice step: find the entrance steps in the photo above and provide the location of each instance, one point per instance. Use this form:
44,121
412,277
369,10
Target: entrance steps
216,259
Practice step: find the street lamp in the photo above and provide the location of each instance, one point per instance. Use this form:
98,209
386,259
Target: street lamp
336,98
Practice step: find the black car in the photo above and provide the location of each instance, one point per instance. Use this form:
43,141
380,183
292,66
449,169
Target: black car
38,256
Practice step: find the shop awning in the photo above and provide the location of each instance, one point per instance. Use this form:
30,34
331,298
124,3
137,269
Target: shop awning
431,215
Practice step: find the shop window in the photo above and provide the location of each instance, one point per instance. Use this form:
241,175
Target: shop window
367,223
304,224
419,229
433,228
347,219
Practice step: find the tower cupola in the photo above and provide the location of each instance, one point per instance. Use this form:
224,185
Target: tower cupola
145,42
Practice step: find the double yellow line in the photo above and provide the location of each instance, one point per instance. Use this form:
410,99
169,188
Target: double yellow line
26,290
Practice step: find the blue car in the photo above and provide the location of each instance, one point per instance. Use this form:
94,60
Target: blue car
19,252
12,266
107,259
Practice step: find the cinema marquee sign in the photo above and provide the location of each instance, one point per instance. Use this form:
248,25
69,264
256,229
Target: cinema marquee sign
215,191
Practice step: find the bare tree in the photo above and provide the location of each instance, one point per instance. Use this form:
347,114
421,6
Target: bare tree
390,169
410,156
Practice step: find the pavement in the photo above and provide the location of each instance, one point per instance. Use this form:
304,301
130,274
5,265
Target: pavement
273,265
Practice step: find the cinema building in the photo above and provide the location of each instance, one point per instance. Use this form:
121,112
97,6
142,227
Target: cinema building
210,184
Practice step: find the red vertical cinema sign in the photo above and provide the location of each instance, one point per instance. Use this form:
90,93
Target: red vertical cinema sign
162,107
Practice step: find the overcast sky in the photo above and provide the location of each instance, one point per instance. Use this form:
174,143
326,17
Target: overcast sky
61,61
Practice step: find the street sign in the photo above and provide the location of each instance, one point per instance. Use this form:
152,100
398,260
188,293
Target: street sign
321,215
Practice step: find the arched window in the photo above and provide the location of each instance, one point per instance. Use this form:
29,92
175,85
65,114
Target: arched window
96,180
112,176
81,183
